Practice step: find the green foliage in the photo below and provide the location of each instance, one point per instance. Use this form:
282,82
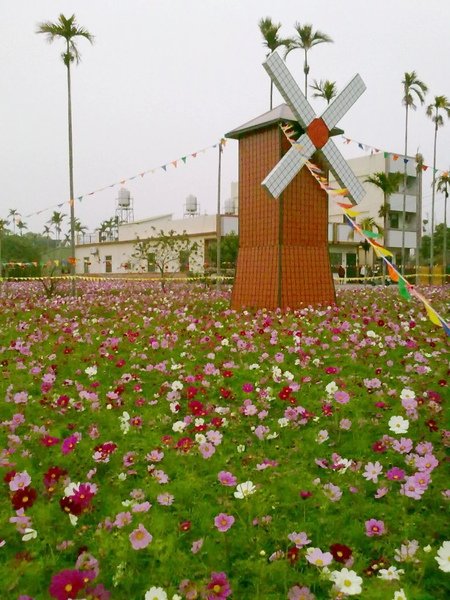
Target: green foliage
229,248
438,242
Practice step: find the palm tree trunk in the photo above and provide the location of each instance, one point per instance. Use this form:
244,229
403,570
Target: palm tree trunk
305,70
419,222
404,191
444,250
72,199
433,193
385,222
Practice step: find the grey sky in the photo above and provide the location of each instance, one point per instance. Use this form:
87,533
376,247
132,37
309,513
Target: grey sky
166,78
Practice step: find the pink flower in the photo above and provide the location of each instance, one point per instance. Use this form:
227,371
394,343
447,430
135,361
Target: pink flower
122,519
372,470
299,539
206,450
341,397
300,593
315,556
140,537
143,507
374,528
19,481
165,499
196,546
382,491
227,478
224,522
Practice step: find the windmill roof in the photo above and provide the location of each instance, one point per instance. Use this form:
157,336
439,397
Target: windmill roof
279,114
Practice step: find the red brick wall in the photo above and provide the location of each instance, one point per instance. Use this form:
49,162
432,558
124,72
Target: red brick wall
299,219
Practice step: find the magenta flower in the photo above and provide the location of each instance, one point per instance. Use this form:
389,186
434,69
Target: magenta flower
224,522
140,537
227,478
67,583
68,444
395,474
374,528
218,587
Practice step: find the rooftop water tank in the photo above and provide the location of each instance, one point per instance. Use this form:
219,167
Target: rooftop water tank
191,204
124,197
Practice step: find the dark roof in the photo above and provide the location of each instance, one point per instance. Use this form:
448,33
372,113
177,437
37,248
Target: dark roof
279,114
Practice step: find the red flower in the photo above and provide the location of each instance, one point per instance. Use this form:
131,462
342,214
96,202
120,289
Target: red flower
67,583
49,440
340,552
184,444
9,475
69,505
185,526
197,408
52,476
293,554
24,498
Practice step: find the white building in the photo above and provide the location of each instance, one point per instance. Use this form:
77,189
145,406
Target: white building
116,255
345,248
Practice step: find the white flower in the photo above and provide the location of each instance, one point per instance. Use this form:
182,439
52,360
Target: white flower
283,422
30,534
390,574
331,388
371,334
73,519
288,376
398,424
155,593
254,367
225,342
177,385
179,426
244,489
71,488
199,422
121,476
240,448
443,557
407,394
322,436
400,595
427,548
346,581
200,438
91,371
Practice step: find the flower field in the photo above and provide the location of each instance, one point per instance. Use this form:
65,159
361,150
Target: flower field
162,446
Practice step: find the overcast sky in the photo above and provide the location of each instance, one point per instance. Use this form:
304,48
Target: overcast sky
167,78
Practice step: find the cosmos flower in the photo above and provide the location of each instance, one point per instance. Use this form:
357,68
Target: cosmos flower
346,581
140,538
243,490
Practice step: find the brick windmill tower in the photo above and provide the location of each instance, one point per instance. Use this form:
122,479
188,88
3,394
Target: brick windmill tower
283,256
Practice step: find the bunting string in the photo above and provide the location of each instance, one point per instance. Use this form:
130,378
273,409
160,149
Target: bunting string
172,163
406,289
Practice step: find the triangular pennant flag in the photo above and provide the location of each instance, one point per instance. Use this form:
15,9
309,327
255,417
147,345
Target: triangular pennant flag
432,315
386,154
183,158
342,205
381,251
175,163
361,146
352,213
424,167
405,160
164,167
403,290
446,327
194,154
371,234
393,274
395,157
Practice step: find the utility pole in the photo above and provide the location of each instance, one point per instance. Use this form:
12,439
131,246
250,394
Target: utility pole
219,221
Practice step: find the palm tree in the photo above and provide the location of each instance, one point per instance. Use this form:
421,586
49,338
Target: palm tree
14,213
21,226
388,183
56,220
67,30
441,103
305,39
413,89
324,89
443,186
272,41
79,228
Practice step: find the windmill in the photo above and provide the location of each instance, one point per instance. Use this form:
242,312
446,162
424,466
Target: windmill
283,259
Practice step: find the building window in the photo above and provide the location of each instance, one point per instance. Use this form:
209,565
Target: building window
336,259
86,264
108,264
393,220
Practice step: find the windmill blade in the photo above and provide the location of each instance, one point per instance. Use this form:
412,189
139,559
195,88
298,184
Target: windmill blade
288,167
344,101
289,89
344,175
